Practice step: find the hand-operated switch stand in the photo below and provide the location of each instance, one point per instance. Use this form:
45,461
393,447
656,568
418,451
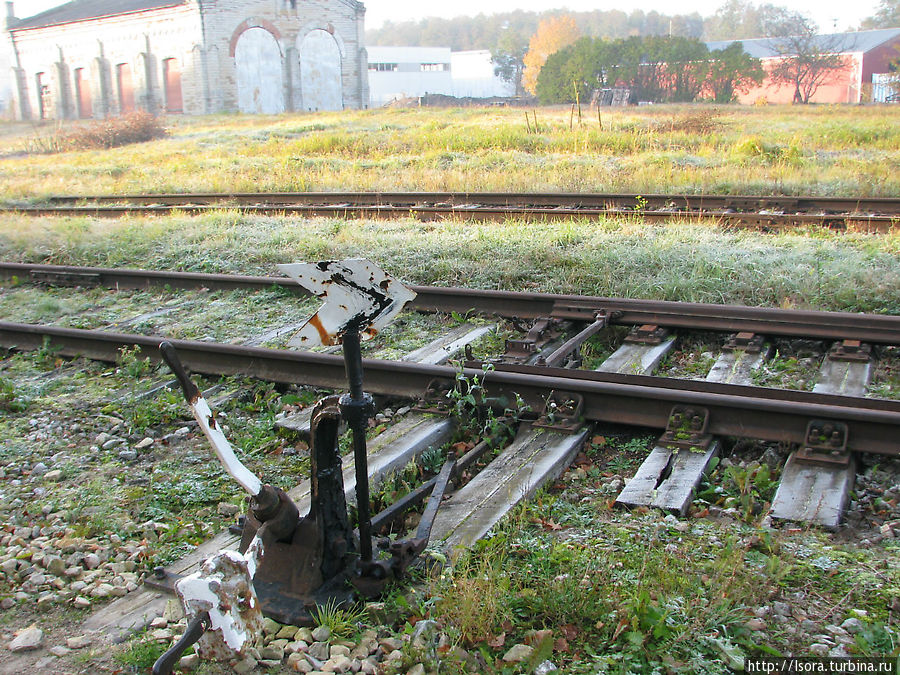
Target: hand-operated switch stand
287,564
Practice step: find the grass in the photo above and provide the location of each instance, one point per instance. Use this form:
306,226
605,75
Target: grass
829,150
818,269
343,622
138,656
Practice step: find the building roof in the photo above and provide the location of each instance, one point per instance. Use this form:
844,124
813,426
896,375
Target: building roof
379,54
862,41
80,10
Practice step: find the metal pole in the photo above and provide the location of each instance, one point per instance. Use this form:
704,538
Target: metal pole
357,407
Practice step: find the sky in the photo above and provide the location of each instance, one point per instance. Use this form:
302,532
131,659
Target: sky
829,14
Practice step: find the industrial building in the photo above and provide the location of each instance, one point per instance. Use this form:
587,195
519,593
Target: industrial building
98,58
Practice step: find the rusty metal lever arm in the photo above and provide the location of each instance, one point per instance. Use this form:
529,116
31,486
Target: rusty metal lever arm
195,630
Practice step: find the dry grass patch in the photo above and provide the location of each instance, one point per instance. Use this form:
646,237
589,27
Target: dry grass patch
134,127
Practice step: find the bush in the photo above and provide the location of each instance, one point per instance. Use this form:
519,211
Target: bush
134,127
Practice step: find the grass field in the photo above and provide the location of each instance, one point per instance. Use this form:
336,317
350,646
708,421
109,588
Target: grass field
620,592
832,150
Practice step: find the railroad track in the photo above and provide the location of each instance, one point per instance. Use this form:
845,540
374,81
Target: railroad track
828,425
768,414
876,214
879,329
753,412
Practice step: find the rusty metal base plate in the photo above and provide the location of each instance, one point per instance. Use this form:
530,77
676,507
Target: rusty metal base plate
696,443
811,456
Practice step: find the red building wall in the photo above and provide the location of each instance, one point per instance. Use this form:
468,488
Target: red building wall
847,85
879,59
841,86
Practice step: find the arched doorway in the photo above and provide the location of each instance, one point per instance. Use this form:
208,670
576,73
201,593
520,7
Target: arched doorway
172,85
320,71
260,83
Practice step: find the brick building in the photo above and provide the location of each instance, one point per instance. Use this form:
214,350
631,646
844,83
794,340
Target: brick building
865,56
98,58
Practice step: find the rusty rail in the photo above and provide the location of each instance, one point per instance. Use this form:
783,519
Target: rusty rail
773,415
874,328
630,201
767,212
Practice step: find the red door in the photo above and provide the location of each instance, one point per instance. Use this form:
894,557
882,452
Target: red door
172,78
83,95
126,88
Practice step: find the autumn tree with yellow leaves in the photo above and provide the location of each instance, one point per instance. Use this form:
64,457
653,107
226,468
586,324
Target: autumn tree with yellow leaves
552,35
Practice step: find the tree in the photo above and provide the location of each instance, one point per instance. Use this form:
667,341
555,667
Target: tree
732,70
808,60
580,68
686,68
508,58
552,35
886,16
654,68
742,20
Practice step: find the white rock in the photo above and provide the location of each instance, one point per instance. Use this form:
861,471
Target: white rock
245,666
78,642
189,662
852,625
339,664
321,634
299,663
27,639
339,650
518,653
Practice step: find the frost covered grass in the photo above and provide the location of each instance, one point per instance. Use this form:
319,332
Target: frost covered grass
816,269
830,150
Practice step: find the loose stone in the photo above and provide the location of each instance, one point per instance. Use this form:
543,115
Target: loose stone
518,653
245,666
189,662
78,642
339,650
319,650
321,634
287,632
27,639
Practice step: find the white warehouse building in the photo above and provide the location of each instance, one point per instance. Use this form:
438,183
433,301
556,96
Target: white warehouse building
409,72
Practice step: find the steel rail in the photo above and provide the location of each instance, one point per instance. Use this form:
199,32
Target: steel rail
629,201
772,415
874,328
763,220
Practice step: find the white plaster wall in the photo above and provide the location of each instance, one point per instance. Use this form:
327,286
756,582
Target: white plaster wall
409,80
342,19
202,35
259,71
98,45
321,85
